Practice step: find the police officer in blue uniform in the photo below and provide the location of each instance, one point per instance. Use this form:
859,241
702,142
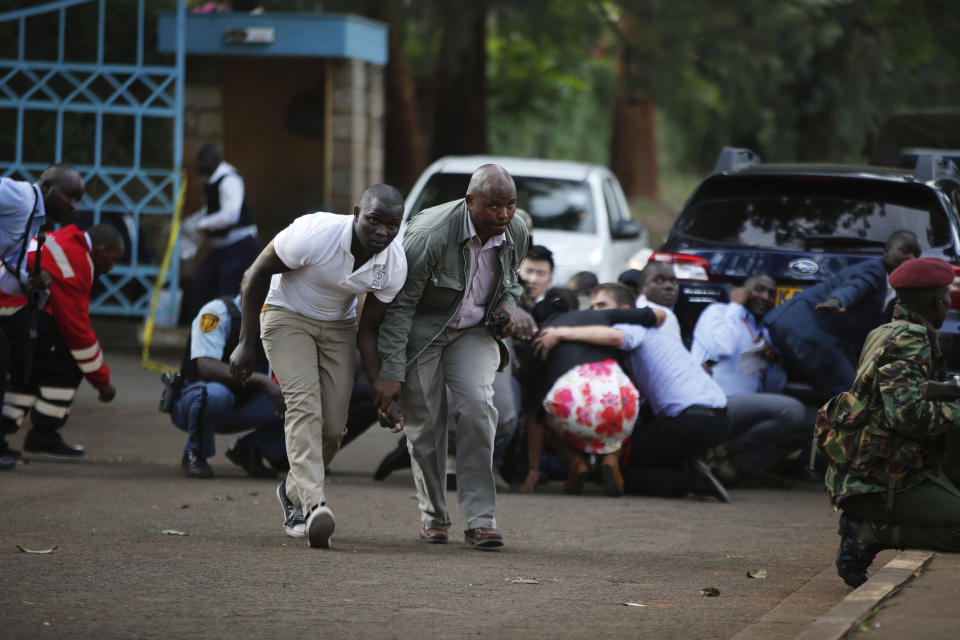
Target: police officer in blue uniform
212,402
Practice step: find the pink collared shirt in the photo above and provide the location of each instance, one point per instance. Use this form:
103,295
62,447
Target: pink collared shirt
480,280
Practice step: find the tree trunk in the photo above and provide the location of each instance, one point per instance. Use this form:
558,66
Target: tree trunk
405,149
459,125
633,149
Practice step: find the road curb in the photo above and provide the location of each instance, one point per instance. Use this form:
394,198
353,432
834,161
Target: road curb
835,624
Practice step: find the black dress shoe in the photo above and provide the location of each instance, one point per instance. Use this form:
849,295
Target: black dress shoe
195,465
250,461
399,458
853,556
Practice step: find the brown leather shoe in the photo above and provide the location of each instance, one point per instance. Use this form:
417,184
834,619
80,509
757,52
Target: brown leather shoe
579,472
483,538
433,536
612,480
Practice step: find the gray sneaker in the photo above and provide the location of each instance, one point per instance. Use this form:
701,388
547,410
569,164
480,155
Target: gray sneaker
320,525
293,521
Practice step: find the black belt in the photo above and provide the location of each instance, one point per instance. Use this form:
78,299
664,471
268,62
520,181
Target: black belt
700,410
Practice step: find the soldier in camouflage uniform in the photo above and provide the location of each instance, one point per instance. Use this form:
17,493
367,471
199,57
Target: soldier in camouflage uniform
889,469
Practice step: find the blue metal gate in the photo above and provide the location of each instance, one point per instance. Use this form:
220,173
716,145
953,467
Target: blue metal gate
76,86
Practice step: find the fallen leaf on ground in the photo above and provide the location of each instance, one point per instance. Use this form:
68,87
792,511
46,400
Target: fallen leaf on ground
184,506
523,581
634,604
174,532
759,574
710,592
25,550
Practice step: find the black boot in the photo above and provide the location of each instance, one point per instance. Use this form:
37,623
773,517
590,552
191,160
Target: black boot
854,557
195,465
51,445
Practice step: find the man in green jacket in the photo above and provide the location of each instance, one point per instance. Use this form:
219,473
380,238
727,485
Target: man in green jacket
897,436
443,330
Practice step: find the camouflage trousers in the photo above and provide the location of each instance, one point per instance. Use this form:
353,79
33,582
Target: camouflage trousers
926,516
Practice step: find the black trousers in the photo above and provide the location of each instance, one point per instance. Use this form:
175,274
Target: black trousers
46,392
662,452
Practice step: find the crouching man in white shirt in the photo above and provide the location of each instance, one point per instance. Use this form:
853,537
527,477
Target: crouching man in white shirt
767,425
307,281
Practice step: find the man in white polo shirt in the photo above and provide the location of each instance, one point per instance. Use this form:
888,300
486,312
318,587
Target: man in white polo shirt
310,276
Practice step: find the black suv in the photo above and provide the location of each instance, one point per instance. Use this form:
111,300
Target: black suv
801,223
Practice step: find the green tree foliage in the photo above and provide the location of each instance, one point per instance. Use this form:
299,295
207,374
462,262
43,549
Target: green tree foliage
550,73
805,79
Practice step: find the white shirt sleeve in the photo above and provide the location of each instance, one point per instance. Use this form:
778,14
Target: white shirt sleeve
294,245
633,335
398,276
209,331
719,329
231,200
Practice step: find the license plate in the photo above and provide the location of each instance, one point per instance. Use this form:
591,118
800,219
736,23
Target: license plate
785,293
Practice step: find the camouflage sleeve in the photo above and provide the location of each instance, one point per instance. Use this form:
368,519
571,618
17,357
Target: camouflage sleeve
902,376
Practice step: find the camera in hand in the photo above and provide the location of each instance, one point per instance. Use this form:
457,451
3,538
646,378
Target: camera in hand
497,322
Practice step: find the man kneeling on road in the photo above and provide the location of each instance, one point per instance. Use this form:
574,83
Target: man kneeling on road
892,441
768,425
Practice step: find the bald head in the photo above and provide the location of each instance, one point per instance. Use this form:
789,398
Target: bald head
901,246
376,219
106,236
107,247
62,188
491,200
383,196
490,177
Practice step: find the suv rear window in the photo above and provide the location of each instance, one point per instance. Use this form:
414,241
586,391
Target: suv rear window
562,205
813,213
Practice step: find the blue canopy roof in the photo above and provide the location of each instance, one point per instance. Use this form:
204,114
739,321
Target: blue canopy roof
324,35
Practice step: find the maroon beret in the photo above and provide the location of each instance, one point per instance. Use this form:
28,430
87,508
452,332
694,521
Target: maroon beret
922,273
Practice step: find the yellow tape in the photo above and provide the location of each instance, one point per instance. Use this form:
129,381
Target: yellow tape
162,276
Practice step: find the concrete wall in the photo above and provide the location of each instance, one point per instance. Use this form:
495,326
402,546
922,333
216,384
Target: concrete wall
358,125
243,104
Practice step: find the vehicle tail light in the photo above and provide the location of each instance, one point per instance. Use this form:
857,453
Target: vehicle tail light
689,267
955,288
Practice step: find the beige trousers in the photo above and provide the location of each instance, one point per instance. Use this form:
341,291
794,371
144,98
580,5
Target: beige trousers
463,361
314,362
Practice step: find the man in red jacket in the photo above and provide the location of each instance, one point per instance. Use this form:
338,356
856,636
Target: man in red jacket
65,349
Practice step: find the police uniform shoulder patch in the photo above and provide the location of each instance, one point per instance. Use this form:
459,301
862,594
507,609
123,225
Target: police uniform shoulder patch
209,322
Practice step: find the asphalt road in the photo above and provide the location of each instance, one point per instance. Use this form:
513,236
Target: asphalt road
568,567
